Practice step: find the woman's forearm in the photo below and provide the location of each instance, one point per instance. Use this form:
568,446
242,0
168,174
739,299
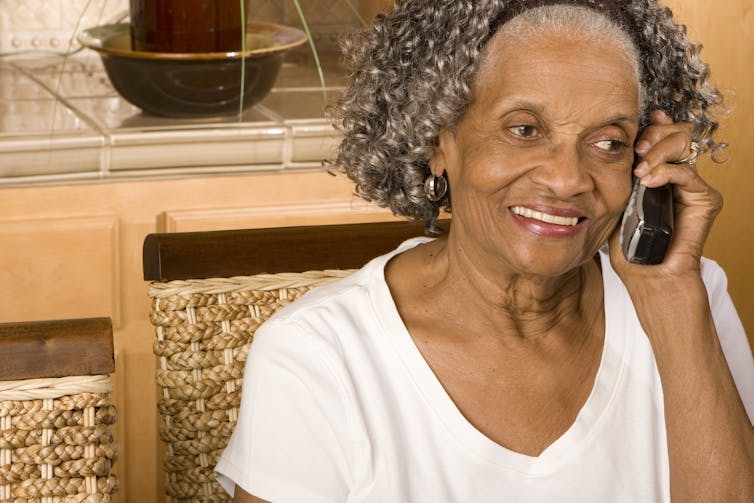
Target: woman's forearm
710,437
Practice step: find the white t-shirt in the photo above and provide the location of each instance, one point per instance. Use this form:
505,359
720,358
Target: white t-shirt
339,406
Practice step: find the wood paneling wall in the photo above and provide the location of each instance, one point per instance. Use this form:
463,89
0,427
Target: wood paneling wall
726,29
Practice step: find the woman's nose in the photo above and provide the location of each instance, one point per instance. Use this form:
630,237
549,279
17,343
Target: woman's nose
564,173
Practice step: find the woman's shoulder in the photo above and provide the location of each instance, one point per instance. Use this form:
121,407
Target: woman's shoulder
341,306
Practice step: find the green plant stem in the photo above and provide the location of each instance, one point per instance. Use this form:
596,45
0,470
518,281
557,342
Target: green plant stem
243,58
314,49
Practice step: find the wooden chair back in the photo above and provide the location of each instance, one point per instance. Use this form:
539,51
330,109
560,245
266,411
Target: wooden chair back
210,291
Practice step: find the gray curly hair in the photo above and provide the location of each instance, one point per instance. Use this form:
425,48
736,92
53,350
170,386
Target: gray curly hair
412,71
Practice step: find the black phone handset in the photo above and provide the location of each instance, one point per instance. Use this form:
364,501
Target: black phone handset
647,224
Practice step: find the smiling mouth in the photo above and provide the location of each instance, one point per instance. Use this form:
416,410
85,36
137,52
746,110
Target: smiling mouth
546,217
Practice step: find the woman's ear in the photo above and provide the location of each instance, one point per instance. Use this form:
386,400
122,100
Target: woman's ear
438,162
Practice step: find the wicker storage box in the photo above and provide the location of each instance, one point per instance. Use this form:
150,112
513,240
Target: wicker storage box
56,442
203,329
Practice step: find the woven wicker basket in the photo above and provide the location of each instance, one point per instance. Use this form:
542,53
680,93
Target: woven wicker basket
56,443
204,328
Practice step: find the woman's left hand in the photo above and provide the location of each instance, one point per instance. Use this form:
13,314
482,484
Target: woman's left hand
697,204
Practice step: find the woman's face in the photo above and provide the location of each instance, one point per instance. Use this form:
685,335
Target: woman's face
540,163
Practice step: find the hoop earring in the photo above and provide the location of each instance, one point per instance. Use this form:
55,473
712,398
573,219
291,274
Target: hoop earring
435,187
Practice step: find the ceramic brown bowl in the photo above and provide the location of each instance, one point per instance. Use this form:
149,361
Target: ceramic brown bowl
193,84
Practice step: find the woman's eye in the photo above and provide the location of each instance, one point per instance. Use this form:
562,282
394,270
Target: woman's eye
610,145
524,130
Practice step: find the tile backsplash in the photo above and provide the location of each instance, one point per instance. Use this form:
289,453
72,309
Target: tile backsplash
50,25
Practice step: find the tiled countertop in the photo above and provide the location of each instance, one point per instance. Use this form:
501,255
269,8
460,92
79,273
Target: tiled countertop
62,122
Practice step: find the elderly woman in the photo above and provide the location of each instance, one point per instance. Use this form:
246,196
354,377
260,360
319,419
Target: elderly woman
520,357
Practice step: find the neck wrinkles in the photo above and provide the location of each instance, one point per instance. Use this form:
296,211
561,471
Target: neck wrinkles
528,306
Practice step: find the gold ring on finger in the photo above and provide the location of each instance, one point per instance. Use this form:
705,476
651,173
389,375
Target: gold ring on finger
692,157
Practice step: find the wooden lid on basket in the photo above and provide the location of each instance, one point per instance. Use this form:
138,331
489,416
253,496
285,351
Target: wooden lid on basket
58,348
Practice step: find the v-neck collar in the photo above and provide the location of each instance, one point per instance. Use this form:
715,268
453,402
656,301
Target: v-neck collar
460,429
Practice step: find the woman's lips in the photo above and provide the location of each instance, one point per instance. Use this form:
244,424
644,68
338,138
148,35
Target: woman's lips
551,222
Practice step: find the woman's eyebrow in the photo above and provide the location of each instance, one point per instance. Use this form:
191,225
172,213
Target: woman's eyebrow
524,105
622,118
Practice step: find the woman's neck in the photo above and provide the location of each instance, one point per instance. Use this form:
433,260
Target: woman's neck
505,301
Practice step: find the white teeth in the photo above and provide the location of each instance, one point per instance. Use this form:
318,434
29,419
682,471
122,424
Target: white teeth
544,217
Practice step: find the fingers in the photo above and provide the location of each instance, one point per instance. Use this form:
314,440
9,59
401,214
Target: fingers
656,131
662,143
669,148
660,117
681,175
663,140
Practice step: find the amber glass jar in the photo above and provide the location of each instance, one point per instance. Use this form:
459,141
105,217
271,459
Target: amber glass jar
186,25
